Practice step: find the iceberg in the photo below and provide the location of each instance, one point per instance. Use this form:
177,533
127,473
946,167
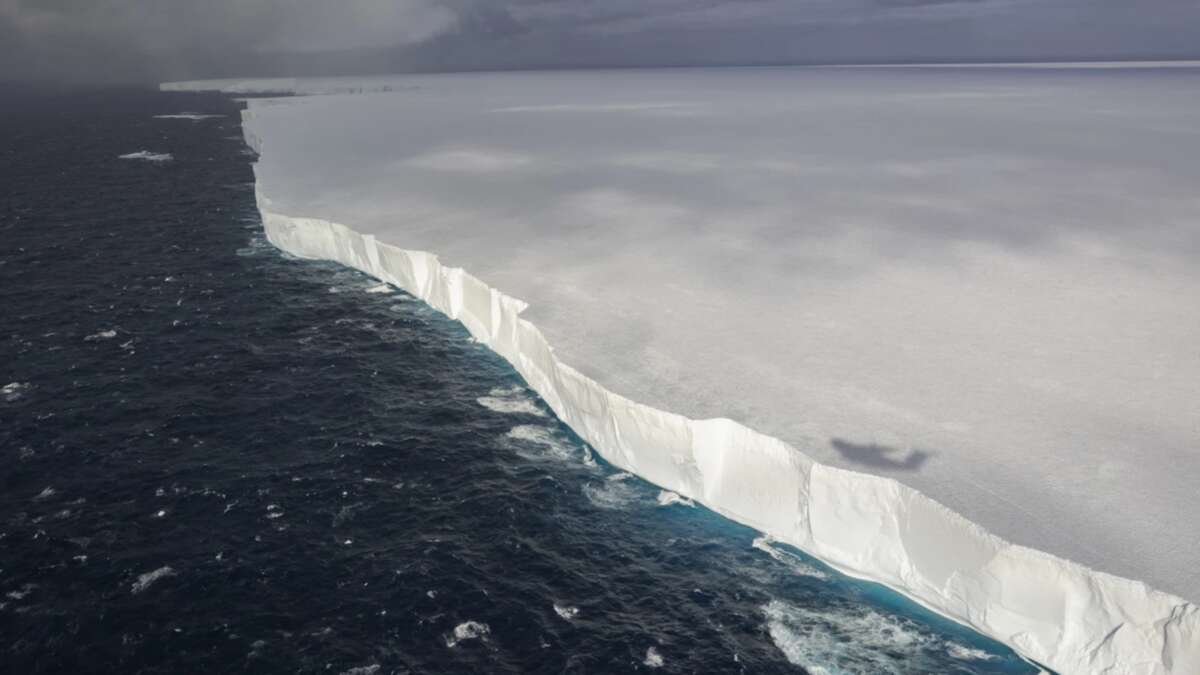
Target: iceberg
948,312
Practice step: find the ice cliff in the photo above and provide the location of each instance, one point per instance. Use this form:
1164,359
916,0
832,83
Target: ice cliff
1059,613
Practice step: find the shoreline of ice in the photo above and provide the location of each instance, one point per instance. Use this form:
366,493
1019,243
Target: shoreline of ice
1050,610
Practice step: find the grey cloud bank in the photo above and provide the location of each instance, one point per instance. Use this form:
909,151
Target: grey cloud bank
139,40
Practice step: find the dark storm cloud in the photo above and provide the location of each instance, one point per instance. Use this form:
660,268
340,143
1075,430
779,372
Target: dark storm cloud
114,40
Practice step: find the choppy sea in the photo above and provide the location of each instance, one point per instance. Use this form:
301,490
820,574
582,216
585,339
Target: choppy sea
217,458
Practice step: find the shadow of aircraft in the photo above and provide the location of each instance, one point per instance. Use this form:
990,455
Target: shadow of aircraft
880,456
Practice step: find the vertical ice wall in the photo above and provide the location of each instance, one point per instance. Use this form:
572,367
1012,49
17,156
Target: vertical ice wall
1053,611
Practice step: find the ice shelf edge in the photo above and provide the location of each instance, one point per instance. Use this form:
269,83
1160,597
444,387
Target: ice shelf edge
1050,610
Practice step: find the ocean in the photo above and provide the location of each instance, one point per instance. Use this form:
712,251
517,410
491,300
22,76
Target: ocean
217,457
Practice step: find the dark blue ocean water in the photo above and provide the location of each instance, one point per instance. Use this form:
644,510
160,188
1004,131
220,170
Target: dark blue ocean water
216,458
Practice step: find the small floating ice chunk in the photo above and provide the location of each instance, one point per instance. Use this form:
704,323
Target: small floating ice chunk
653,658
567,613
147,156
667,498
468,630
381,288
145,580
102,335
13,390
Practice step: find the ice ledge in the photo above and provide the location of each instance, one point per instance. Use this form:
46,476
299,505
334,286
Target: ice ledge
1052,611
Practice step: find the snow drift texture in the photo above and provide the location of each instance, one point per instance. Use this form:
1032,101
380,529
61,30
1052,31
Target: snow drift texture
1054,611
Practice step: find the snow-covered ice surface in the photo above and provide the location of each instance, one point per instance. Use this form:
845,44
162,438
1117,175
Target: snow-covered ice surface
981,283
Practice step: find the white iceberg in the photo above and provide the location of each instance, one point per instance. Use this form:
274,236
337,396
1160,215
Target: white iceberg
981,285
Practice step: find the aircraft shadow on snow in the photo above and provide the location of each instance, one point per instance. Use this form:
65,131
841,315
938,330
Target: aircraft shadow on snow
880,456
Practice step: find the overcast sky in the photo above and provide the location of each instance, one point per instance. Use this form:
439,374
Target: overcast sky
151,40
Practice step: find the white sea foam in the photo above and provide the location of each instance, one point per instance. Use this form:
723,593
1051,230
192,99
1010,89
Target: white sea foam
145,580
101,335
540,443
22,592
45,494
13,390
964,653
611,494
793,562
468,630
667,498
653,658
567,613
847,641
195,117
362,670
513,401
147,156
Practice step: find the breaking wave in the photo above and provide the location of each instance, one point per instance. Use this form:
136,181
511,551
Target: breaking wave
147,156
615,492
567,613
667,498
858,640
468,630
195,117
13,391
513,401
144,581
795,564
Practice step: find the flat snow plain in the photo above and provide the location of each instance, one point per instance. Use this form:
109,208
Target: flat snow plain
983,283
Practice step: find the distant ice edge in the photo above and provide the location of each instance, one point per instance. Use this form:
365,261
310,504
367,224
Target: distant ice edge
1050,610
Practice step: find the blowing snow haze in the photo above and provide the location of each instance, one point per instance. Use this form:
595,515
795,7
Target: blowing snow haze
153,40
